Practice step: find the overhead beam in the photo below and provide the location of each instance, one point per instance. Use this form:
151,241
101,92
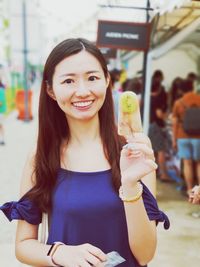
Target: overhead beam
170,33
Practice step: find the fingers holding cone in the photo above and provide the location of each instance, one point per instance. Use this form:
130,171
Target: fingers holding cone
137,157
130,126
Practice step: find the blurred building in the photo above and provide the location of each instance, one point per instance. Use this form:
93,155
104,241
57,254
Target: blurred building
21,23
4,24
25,26
175,33
174,44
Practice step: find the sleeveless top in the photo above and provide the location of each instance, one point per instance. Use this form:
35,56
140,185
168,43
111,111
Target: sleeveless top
87,209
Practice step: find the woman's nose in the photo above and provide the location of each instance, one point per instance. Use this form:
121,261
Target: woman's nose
82,89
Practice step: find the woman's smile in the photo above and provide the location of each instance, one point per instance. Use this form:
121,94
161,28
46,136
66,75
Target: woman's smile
83,105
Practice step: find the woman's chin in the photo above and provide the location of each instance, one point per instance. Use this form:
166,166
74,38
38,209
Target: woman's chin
86,117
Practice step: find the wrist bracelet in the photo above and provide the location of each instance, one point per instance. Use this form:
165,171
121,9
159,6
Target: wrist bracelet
52,251
133,198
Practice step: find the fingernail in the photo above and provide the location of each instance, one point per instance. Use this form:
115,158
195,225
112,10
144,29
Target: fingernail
129,146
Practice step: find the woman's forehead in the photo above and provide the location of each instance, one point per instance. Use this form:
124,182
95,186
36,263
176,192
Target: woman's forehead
81,62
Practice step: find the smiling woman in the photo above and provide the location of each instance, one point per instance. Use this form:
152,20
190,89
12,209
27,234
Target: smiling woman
75,172
79,86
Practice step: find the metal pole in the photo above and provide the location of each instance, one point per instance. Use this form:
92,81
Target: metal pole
147,95
126,7
25,54
145,64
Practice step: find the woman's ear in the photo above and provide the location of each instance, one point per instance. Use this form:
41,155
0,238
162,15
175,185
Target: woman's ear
50,92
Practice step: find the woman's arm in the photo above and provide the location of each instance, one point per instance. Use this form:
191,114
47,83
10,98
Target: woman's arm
150,181
141,231
31,252
161,114
27,248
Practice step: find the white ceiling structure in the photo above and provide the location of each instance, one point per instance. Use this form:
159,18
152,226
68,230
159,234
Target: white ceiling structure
168,17
171,23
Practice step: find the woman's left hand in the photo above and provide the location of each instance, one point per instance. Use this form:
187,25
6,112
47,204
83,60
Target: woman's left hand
137,159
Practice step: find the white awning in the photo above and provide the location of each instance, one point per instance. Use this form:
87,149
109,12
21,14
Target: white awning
164,6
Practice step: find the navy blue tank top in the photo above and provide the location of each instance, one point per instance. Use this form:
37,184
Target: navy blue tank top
87,209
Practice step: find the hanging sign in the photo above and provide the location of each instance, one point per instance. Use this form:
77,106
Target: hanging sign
123,35
108,52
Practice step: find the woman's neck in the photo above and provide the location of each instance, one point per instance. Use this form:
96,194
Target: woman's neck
84,132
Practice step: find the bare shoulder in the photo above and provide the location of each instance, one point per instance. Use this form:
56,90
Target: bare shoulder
28,176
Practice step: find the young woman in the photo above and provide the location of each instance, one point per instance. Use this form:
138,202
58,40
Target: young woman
77,168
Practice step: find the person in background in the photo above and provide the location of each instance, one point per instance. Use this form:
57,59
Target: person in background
194,195
115,78
157,130
175,92
194,198
192,77
187,145
116,90
134,85
2,112
98,193
179,88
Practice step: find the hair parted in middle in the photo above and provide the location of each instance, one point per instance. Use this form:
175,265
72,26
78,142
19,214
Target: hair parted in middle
53,126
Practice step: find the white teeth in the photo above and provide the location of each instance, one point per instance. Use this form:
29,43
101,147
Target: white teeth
82,104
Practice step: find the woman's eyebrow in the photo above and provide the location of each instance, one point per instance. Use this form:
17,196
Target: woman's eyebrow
74,74
67,74
92,71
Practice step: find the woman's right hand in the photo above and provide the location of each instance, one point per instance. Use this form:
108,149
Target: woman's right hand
79,256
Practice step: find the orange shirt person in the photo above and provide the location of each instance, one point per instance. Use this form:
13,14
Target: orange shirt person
187,145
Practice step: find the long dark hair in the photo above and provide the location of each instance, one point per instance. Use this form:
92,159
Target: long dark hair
53,127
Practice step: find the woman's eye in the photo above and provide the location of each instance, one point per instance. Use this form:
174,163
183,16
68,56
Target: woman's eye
93,78
68,81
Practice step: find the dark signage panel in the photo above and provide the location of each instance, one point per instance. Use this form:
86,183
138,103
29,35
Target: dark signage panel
108,52
123,35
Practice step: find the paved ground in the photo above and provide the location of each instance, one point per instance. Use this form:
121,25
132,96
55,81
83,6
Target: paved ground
180,245
177,247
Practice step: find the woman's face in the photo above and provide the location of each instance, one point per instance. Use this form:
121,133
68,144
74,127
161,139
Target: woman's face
79,86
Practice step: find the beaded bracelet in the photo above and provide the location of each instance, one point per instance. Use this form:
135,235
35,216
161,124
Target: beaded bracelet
134,198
